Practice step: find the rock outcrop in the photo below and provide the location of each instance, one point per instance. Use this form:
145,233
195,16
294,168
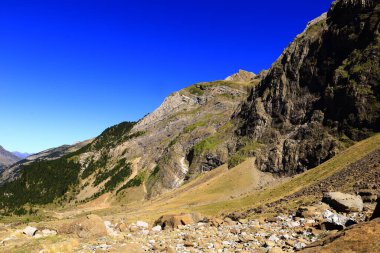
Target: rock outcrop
342,202
323,89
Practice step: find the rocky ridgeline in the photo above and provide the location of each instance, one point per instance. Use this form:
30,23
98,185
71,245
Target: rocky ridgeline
194,233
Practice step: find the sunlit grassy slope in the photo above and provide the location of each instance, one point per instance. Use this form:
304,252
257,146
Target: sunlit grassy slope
224,190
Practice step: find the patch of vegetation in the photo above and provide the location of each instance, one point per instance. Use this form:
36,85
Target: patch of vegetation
202,122
196,90
40,182
173,142
115,135
94,165
243,153
236,159
118,177
194,126
200,88
153,177
211,143
105,174
207,145
316,28
155,171
134,182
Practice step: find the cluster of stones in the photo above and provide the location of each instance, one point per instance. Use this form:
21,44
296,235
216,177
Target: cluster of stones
194,233
274,235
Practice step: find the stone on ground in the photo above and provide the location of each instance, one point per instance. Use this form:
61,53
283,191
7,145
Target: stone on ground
342,202
142,224
173,221
91,226
30,231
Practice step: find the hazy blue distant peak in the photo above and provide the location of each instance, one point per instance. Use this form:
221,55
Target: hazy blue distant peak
21,155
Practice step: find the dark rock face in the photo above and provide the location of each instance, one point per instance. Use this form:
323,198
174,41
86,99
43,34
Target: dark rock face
325,86
376,213
211,162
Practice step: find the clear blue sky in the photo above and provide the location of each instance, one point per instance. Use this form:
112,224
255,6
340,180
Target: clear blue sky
71,68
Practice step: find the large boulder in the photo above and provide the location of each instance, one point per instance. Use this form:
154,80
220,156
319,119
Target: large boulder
30,231
376,213
91,226
342,202
173,221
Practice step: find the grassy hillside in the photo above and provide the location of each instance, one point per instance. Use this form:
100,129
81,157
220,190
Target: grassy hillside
223,190
57,181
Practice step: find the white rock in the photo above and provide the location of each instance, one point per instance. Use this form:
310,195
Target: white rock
144,232
157,228
293,224
299,245
110,228
226,243
47,232
273,238
31,231
142,224
337,219
102,247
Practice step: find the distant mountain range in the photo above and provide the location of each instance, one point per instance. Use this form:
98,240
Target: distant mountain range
21,155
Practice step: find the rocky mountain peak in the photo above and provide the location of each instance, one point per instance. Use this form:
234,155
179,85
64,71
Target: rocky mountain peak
242,76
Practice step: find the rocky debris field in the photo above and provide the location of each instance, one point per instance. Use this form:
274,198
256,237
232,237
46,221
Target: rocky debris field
194,233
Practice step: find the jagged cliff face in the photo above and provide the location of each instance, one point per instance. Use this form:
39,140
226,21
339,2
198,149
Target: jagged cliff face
324,88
